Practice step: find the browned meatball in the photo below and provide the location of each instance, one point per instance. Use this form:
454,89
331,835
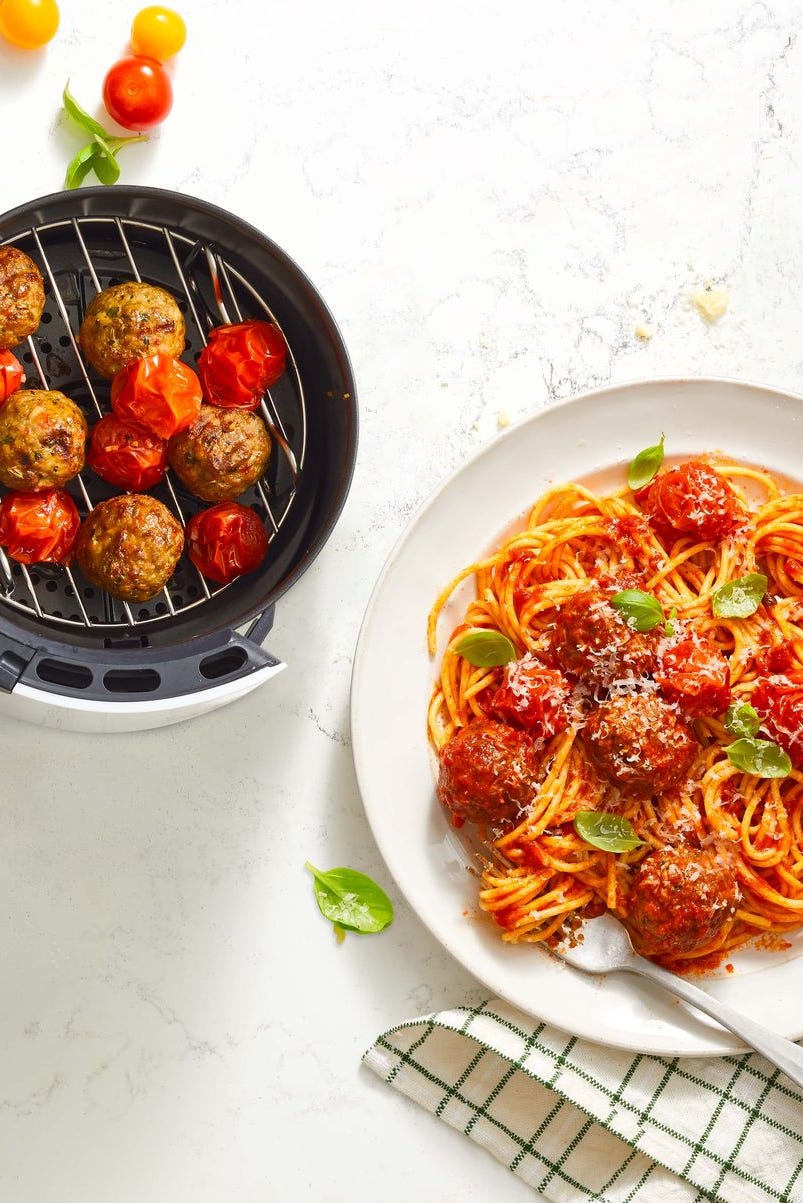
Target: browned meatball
42,440
222,454
593,640
640,742
22,296
681,898
487,773
129,546
127,322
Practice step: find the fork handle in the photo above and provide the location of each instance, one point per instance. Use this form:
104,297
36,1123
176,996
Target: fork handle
777,1049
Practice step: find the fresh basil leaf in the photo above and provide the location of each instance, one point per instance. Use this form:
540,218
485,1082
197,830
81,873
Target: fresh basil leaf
607,831
80,166
486,649
669,625
759,757
645,466
80,116
741,720
107,169
351,900
640,610
739,598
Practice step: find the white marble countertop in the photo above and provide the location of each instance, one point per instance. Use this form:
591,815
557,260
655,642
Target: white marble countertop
490,201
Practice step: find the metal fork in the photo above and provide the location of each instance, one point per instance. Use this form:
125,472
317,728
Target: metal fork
606,948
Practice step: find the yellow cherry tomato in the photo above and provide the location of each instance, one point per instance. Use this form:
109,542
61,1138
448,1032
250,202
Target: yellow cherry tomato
158,32
28,24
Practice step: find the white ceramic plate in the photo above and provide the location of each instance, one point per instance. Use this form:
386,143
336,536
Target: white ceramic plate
393,678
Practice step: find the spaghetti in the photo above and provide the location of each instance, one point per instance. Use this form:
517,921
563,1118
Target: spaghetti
540,877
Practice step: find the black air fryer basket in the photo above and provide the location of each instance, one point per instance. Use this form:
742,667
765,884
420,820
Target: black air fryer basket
60,634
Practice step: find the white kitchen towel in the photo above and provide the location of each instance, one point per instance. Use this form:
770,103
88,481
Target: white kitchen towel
578,1121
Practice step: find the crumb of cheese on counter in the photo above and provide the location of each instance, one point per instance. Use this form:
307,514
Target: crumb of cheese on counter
710,303
644,331
502,419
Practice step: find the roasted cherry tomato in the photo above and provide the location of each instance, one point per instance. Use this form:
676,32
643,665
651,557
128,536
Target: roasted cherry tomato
692,499
226,541
39,527
779,703
696,676
159,392
28,24
126,454
137,93
158,32
12,375
534,697
240,362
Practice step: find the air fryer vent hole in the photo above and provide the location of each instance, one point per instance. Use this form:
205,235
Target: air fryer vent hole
132,680
58,672
222,664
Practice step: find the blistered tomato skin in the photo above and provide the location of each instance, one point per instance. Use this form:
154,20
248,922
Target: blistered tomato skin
29,24
158,32
696,676
779,703
38,528
126,454
12,375
488,773
226,541
240,362
160,392
137,93
693,499
534,697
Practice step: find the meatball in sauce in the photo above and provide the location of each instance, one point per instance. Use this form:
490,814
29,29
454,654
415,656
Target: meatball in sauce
592,640
681,898
488,773
640,743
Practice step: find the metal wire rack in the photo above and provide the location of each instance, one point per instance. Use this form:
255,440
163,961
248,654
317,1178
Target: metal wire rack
79,257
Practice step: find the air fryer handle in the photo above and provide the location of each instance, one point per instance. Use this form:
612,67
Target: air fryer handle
127,672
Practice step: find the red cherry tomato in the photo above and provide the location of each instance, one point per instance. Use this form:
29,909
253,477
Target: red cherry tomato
696,676
126,454
240,362
225,541
12,375
692,499
137,93
159,392
779,702
534,697
39,527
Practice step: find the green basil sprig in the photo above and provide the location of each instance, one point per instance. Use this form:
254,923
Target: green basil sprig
486,649
645,466
99,155
641,610
741,720
607,831
739,598
669,625
759,757
351,901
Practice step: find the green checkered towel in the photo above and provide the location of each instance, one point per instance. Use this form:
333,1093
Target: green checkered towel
578,1121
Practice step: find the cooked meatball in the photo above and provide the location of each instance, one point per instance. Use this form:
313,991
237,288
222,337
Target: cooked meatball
593,640
681,898
222,454
129,546
127,322
22,296
640,743
487,773
42,440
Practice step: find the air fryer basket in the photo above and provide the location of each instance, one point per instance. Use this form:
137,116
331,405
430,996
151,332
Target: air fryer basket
57,632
